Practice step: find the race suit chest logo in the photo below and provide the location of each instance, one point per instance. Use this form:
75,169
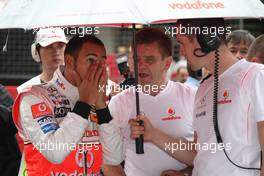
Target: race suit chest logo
89,155
80,158
60,84
60,112
61,103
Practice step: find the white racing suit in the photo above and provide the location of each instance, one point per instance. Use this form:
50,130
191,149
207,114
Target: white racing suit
59,131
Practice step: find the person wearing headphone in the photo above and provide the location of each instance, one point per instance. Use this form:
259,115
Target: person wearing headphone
47,49
228,117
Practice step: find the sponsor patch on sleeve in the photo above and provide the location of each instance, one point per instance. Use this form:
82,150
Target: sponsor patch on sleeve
42,113
47,124
40,109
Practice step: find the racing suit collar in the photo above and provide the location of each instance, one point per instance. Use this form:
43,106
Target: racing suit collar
65,86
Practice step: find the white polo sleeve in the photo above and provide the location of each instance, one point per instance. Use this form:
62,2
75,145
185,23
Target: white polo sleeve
118,108
258,96
112,143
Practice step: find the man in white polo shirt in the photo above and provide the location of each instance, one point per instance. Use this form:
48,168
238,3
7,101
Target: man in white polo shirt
236,149
168,105
47,49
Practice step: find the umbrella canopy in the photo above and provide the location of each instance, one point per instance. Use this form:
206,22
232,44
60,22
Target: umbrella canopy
28,14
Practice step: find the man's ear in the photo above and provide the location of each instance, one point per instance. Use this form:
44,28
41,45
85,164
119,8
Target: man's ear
168,62
69,61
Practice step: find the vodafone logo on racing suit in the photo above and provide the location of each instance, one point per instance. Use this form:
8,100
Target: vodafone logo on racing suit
79,158
40,109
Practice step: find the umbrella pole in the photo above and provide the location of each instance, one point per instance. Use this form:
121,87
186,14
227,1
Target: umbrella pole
139,141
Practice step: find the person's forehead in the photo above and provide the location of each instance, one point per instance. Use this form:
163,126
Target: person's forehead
151,48
241,45
92,47
148,45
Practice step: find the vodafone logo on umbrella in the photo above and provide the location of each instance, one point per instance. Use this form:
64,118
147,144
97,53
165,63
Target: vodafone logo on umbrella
192,5
40,109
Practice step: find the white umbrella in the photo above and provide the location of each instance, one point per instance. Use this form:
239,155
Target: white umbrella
28,14
38,13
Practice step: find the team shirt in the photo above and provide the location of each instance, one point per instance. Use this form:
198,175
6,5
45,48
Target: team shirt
240,107
170,111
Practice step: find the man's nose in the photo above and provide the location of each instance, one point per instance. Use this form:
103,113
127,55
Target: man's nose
141,64
238,55
56,50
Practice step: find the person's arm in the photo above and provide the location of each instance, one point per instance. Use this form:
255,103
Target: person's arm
41,127
172,147
112,144
6,122
184,172
261,141
110,138
5,98
109,170
164,141
110,134
257,104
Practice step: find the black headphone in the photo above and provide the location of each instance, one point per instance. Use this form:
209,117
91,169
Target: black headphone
207,42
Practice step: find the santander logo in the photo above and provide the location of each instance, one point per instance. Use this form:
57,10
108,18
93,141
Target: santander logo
190,5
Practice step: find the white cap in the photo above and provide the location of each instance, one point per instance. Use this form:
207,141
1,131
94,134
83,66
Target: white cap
45,37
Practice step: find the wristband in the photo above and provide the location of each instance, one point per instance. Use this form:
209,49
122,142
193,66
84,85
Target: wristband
103,116
82,109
